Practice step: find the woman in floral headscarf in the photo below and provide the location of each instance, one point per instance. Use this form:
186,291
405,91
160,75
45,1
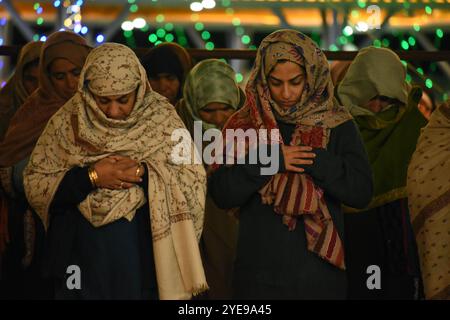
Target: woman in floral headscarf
104,184
291,225
211,95
429,203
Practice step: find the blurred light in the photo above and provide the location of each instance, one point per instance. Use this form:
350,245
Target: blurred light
158,42
334,47
84,30
75,8
4,82
2,21
77,17
229,11
348,31
100,38
245,39
62,29
134,8
412,41
36,6
226,3
208,4
377,43
408,78
131,1
1,64
240,31
169,26
196,6
77,28
40,20
405,45
239,77
152,38
39,10
68,22
160,33
169,37
420,71
57,3
160,18
206,35
429,83
127,26
128,33
343,40
139,23
79,3
199,26
362,3
43,38
236,22
439,33
416,27
362,26
36,37
428,10
209,46
385,42
1,42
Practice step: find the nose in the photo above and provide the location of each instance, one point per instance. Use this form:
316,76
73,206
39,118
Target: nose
72,82
113,111
285,92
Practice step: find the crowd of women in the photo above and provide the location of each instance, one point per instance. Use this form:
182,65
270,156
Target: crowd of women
358,208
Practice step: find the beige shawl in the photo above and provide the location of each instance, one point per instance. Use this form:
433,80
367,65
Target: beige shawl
80,134
429,202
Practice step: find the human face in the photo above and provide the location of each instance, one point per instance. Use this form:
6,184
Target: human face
378,103
216,113
64,76
30,77
425,106
286,83
117,107
166,84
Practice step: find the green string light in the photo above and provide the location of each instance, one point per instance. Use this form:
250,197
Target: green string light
429,83
134,8
153,38
40,20
377,43
439,32
412,41
36,37
236,22
245,39
226,3
36,6
160,18
428,10
362,3
128,33
239,77
416,27
158,42
206,35
239,31
229,11
333,47
160,33
199,26
408,78
405,45
209,46
169,26
343,40
169,37
420,71
385,42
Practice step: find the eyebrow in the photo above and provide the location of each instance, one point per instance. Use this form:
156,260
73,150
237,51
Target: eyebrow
118,98
297,76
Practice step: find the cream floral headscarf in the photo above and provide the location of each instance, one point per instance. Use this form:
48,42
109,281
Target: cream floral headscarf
80,134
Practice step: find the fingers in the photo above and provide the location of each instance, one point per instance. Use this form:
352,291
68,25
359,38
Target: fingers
294,169
302,155
300,162
298,148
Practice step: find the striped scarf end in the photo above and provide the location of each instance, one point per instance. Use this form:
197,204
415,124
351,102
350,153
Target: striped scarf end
199,289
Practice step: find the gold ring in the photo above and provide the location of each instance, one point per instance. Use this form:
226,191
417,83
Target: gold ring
138,171
121,185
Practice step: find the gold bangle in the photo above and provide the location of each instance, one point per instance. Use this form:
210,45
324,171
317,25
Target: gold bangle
93,176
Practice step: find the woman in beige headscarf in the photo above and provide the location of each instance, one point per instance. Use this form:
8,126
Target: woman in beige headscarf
429,203
61,59
21,84
104,183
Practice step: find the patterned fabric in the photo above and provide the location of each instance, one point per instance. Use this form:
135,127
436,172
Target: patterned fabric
80,134
210,81
13,94
31,118
429,202
295,195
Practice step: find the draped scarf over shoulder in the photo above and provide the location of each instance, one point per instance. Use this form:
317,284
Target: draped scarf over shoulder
80,134
317,112
31,118
429,202
14,93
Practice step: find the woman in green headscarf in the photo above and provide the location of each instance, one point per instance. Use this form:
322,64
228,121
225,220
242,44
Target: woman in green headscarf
376,94
211,95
